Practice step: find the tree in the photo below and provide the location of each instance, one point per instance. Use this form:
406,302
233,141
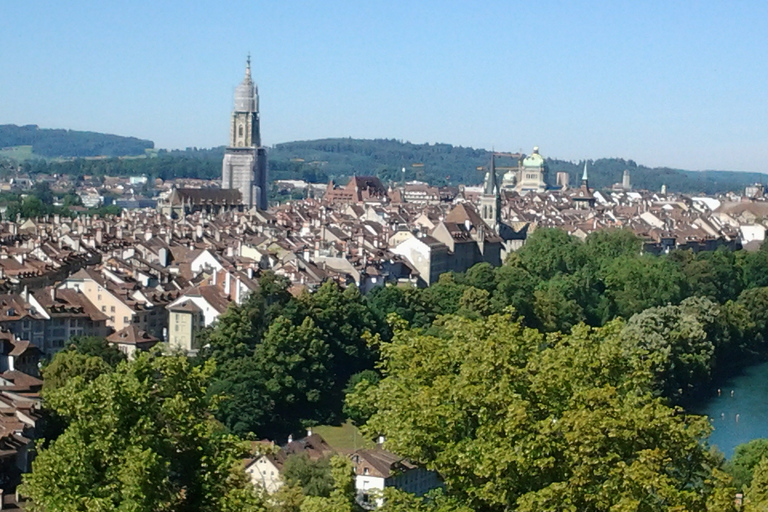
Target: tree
745,458
481,276
674,343
313,476
139,438
474,303
68,364
602,247
757,494
95,346
550,251
358,411
282,385
634,284
342,497
516,421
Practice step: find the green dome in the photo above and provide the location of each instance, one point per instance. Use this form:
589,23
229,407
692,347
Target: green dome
534,160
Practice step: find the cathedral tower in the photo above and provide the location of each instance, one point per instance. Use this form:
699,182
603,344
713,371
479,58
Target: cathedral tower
490,201
245,161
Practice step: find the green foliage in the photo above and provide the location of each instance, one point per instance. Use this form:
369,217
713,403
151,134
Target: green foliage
313,476
70,143
95,346
356,408
516,421
745,458
673,341
139,438
342,496
70,363
757,494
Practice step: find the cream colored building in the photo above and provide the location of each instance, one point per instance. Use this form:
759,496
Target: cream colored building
185,320
533,173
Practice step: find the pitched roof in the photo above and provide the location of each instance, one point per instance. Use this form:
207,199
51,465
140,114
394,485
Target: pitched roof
132,335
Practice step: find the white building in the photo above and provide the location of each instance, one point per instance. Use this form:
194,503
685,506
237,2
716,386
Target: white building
378,469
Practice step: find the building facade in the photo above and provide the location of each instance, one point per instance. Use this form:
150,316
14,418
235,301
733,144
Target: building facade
245,161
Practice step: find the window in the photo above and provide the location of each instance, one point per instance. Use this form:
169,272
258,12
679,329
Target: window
112,309
126,319
103,309
365,471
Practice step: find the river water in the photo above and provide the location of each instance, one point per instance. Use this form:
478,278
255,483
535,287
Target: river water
740,412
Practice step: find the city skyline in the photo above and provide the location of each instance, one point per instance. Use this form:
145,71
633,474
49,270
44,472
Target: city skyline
664,85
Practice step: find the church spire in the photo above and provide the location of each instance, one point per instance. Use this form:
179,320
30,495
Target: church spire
584,177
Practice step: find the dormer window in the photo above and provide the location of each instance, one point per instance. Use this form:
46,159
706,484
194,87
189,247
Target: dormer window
365,471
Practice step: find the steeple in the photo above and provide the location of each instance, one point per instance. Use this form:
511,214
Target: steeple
491,198
247,94
584,177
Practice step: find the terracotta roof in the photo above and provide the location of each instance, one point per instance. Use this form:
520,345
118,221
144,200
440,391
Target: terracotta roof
131,335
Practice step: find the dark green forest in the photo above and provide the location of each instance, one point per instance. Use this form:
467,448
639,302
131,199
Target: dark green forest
50,143
320,160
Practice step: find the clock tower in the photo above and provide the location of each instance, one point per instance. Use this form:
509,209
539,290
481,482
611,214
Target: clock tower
245,161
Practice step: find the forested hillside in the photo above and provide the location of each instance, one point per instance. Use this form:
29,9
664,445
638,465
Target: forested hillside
320,160
51,143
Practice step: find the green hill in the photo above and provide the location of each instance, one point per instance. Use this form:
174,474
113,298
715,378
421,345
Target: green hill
320,160
49,143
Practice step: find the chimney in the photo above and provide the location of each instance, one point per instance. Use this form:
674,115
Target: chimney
290,438
53,293
309,431
380,440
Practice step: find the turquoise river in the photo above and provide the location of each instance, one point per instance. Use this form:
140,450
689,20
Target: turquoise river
739,412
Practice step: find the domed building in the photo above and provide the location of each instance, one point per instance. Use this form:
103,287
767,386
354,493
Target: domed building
533,173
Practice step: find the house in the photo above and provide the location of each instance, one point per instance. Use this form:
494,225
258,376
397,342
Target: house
377,469
185,321
130,339
265,470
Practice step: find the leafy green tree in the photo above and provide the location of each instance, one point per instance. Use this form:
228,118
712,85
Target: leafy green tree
139,438
515,287
391,299
674,343
95,346
342,497
753,265
549,251
474,303
516,421
634,284
757,494
713,274
313,476
602,247
556,306
481,276
282,385
755,302
360,410
396,500
68,364
745,458
344,318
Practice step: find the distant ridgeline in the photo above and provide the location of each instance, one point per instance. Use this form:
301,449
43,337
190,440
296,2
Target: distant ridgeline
50,143
318,161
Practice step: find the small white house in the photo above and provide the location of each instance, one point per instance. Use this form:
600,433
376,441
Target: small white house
377,469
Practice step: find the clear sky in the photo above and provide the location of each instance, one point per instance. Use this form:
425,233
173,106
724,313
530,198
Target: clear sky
677,83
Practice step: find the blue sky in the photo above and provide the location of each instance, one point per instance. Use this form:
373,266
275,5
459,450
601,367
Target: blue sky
665,83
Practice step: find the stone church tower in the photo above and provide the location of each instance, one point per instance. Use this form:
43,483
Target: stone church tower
490,201
245,161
